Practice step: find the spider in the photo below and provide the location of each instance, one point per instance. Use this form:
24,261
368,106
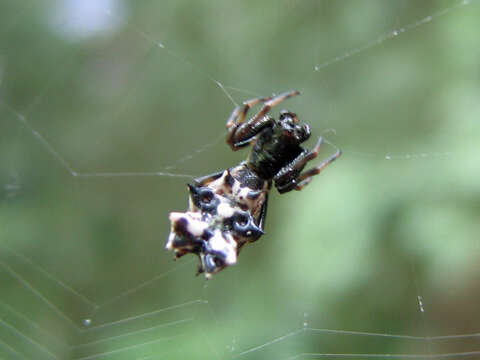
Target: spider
234,201
276,156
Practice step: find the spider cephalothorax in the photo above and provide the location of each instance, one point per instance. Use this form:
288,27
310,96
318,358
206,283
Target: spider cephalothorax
231,205
277,145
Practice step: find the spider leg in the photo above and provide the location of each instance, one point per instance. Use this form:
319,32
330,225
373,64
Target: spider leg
238,115
305,178
289,177
204,180
240,132
263,214
271,103
243,134
286,178
237,119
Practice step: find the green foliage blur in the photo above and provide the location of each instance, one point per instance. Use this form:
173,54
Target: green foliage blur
386,240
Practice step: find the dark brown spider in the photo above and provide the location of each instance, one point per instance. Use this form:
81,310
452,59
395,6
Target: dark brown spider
232,204
276,155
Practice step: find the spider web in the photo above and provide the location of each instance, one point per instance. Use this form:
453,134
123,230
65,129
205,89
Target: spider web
109,107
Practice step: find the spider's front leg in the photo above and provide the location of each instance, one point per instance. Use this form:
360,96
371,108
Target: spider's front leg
305,178
290,177
240,133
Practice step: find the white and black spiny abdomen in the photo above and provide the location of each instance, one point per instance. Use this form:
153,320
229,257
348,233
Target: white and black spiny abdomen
227,209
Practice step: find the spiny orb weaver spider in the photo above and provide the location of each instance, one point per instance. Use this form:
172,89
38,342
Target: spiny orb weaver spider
228,208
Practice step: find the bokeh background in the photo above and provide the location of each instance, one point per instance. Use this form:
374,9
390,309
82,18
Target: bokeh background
385,241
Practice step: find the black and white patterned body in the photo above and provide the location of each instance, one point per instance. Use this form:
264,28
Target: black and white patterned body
231,205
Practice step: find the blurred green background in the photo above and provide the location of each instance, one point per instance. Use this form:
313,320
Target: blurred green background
112,86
